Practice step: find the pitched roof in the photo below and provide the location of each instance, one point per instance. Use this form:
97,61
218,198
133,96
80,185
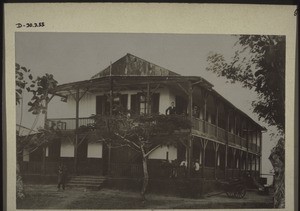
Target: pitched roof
130,65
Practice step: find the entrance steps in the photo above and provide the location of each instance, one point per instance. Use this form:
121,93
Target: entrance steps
86,182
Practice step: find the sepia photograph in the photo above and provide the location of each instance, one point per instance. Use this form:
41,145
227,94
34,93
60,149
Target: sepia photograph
110,121
116,109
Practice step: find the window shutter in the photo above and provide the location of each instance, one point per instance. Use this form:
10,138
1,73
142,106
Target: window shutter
155,103
123,101
134,104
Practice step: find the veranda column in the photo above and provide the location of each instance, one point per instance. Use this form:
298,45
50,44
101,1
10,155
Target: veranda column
111,91
235,127
190,112
240,162
76,131
247,146
148,99
260,151
256,140
226,142
250,162
45,127
256,151
216,149
255,167
233,161
203,144
205,94
217,118
259,165
227,125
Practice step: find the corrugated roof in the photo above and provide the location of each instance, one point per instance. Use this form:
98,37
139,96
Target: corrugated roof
133,65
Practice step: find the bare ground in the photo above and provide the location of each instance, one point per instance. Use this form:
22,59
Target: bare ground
47,197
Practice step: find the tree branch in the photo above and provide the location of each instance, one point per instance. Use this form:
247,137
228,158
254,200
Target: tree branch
128,141
154,148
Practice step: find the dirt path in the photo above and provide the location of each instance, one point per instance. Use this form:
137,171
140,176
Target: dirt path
67,198
47,197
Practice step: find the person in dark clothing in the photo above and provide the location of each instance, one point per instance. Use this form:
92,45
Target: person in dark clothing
171,109
196,112
61,176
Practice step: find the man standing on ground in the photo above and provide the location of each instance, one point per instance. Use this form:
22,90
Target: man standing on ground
61,176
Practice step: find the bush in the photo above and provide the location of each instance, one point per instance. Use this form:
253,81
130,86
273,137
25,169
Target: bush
20,187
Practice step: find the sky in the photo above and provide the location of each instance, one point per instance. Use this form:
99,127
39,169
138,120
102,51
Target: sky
78,56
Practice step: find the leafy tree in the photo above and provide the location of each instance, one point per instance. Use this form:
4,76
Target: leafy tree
259,64
277,158
40,87
23,79
143,134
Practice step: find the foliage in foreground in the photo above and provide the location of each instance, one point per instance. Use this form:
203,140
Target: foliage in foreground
258,64
40,88
277,159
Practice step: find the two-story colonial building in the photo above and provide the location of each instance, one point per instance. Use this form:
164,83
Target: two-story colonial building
223,139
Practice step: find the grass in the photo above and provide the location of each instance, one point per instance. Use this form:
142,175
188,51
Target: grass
47,197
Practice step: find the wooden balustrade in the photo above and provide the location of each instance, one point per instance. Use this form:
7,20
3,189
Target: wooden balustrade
231,138
221,135
198,124
69,123
237,140
244,142
211,130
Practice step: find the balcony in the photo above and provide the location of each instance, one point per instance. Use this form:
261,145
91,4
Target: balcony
208,130
69,123
199,127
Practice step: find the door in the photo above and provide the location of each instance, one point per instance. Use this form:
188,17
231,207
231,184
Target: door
105,159
82,157
181,105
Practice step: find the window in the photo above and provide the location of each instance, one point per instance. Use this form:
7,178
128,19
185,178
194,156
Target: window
143,105
139,103
103,104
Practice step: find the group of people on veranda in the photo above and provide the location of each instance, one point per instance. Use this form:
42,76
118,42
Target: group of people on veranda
178,169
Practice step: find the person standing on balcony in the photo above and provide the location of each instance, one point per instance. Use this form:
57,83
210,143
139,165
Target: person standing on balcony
171,110
196,111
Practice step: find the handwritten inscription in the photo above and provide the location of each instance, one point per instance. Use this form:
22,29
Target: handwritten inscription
30,25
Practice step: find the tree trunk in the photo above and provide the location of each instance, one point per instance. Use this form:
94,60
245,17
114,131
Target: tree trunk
146,177
277,160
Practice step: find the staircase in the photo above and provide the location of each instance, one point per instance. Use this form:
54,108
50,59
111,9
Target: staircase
86,182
